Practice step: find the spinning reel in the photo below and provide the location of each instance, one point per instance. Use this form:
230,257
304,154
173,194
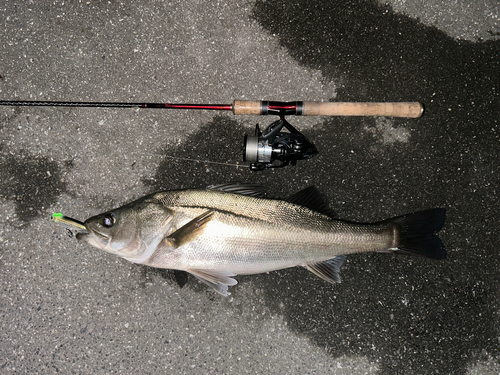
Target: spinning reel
275,148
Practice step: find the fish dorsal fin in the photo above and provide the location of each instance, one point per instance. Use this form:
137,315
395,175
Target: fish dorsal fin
328,270
251,190
190,231
313,199
219,280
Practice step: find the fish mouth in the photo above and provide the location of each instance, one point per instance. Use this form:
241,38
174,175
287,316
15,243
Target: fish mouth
93,238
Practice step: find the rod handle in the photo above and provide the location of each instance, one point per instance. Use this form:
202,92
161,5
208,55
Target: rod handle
400,109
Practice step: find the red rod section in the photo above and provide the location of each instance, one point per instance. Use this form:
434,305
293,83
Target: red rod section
284,106
217,107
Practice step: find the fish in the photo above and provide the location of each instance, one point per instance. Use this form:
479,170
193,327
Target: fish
227,230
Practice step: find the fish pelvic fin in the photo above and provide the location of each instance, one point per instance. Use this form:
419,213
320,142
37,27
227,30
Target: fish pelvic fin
218,280
328,270
417,234
190,231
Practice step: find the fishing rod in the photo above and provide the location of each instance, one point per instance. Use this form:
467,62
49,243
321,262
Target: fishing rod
253,107
272,148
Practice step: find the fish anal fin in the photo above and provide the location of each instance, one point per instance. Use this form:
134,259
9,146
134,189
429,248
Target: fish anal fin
313,199
328,270
218,280
190,231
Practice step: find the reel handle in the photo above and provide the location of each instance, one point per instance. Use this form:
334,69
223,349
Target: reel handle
398,109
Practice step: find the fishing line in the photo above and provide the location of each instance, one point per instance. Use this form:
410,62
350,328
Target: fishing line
203,161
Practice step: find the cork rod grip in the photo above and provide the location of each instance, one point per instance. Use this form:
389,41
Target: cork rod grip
409,109
256,107
247,107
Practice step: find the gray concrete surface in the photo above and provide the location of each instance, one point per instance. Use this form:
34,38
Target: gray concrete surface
67,308
460,19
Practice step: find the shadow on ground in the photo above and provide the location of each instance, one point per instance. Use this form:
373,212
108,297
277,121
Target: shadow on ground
406,315
411,316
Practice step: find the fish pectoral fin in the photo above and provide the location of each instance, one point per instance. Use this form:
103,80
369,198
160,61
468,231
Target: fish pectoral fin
190,231
328,270
219,280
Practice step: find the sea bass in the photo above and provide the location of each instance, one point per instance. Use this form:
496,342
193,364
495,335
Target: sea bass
228,230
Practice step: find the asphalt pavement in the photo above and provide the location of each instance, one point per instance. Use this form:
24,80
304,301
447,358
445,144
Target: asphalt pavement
68,308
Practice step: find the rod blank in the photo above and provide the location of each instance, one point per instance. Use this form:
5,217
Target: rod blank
42,103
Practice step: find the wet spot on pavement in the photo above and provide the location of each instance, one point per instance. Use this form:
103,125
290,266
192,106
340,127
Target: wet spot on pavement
32,183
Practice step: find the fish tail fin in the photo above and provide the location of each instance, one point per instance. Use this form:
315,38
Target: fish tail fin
417,233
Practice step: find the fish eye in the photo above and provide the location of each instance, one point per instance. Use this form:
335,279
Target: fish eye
108,220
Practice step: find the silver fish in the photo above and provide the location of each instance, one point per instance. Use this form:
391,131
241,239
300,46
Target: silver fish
228,230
